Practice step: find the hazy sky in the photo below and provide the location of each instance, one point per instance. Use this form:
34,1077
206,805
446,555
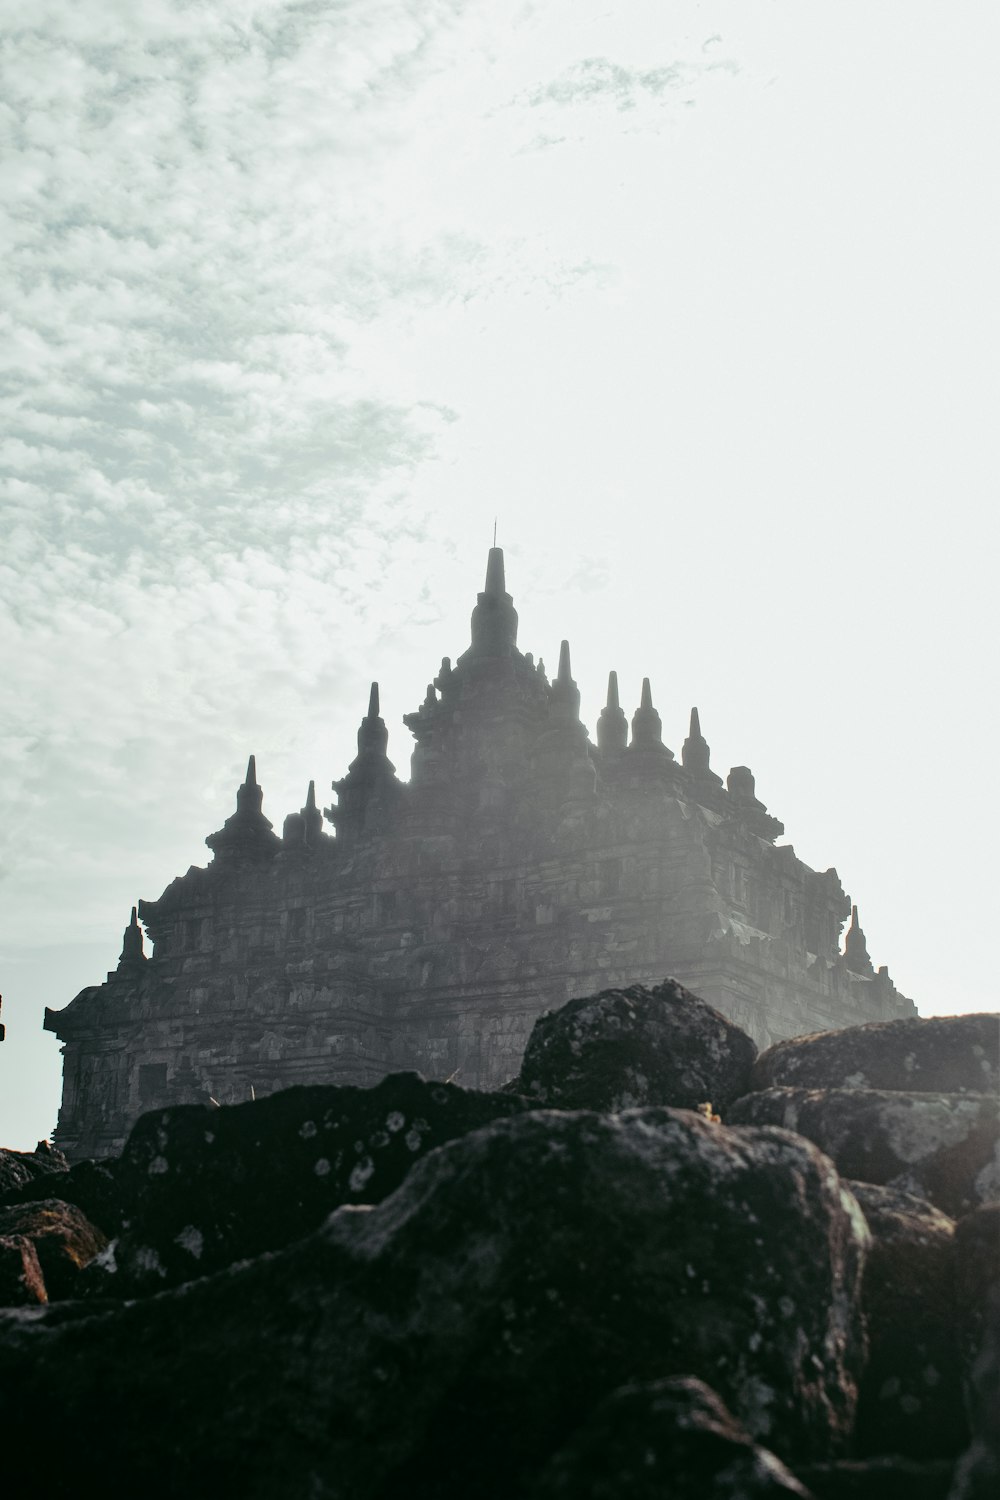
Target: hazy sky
698,299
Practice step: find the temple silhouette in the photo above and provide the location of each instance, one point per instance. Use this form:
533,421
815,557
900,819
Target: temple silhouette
521,865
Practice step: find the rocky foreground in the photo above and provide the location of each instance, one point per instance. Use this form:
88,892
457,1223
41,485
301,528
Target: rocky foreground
587,1286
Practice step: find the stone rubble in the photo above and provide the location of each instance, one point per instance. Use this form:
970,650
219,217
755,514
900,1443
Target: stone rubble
583,1286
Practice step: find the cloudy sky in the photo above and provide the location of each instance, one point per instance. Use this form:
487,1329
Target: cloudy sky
697,299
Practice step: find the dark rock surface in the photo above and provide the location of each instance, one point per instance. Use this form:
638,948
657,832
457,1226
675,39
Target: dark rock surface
20,1167
91,1185
447,1341
667,1438
936,1055
910,1400
977,1278
943,1147
888,1477
64,1241
21,1281
626,1048
200,1187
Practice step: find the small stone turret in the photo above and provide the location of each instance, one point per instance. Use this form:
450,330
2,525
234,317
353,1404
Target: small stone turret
647,727
494,619
247,835
312,818
562,753
132,954
742,790
369,791
695,754
564,694
856,948
612,725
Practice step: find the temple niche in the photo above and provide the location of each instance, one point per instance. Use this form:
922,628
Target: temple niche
427,923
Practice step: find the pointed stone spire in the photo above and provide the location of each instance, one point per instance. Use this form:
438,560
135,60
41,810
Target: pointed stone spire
368,792
647,727
373,736
132,950
856,948
565,695
695,753
496,582
494,619
612,725
250,796
247,833
312,818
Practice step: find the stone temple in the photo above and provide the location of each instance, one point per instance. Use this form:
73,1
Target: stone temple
521,865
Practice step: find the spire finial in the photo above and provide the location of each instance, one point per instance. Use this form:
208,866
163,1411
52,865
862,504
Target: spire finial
564,675
695,729
251,777
612,691
373,704
311,797
646,697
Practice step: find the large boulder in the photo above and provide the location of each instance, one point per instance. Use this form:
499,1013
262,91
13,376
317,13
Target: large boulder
936,1055
20,1167
943,1147
64,1241
200,1186
668,1437
626,1048
446,1341
910,1400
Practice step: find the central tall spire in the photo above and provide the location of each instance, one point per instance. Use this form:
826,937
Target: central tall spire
494,619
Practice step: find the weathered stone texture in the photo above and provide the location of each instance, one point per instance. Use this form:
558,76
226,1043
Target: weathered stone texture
520,866
625,1048
200,1188
667,1438
910,1399
18,1168
448,1340
942,1147
64,1242
936,1055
